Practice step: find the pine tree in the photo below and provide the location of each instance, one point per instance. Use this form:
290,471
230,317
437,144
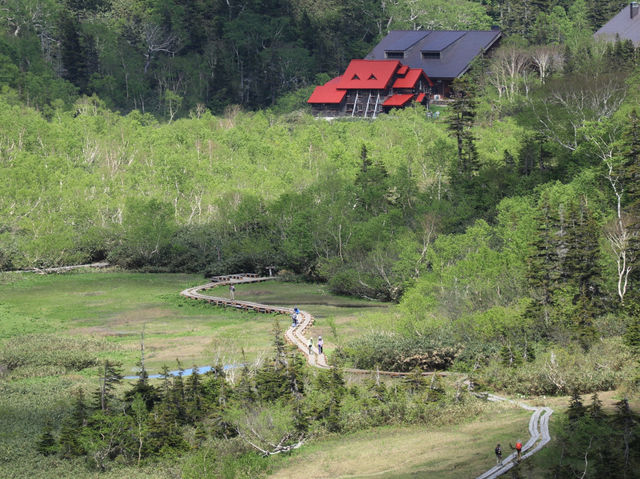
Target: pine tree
296,375
47,443
69,444
625,423
73,52
111,377
595,408
461,120
80,408
581,270
631,163
142,387
543,266
272,382
194,397
245,390
510,356
576,409
630,151
177,402
336,394
372,185
632,333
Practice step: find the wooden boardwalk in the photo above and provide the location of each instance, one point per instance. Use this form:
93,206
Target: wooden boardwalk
538,423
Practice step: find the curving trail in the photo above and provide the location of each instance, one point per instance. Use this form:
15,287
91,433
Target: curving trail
538,423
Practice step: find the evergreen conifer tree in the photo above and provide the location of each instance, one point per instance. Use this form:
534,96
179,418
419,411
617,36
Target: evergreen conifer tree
194,396
582,272
576,409
47,444
461,119
177,402
73,52
245,390
69,444
543,266
111,377
632,333
595,408
147,391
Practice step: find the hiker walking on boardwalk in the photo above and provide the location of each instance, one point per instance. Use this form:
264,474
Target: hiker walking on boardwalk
498,454
232,292
294,317
310,346
518,449
320,344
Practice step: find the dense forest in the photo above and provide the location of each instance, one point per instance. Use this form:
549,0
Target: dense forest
172,135
172,57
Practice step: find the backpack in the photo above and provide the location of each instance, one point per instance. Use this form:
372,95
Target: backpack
518,446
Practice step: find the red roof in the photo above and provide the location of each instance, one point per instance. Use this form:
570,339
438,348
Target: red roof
398,100
411,78
369,74
403,70
420,97
327,93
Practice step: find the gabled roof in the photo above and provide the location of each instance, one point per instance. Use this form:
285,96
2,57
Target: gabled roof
328,93
411,78
398,100
367,74
457,49
625,24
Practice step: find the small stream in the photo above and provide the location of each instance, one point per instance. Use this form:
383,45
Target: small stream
189,371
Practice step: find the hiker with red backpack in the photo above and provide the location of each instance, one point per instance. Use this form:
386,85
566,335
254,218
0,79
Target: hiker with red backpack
518,449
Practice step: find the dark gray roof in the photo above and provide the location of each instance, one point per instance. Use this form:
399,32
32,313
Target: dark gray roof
623,25
405,39
457,49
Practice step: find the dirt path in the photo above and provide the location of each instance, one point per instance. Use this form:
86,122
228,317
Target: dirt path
538,423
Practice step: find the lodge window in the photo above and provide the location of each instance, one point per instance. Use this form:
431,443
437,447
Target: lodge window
394,54
431,55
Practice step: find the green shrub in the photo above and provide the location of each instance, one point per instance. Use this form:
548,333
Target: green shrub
607,365
49,351
396,352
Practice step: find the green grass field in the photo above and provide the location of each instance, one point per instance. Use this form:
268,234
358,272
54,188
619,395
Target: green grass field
448,452
103,313
117,307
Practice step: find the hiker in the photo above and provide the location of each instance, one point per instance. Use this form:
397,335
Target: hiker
320,344
518,449
498,454
232,292
310,346
294,317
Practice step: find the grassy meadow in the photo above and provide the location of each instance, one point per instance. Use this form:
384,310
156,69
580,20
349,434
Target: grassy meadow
112,309
53,325
446,451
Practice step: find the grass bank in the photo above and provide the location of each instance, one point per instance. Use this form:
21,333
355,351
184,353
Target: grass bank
445,452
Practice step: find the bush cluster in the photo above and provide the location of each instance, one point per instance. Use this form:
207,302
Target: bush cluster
396,352
51,352
564,370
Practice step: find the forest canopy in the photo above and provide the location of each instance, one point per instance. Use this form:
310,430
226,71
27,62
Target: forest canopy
173,57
